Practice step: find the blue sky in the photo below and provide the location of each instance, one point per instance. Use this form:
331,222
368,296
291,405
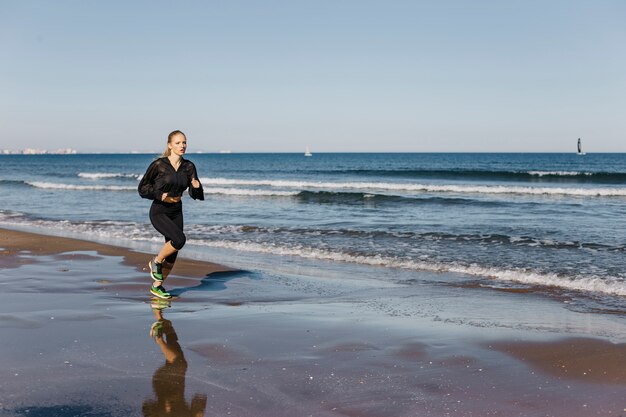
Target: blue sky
347,76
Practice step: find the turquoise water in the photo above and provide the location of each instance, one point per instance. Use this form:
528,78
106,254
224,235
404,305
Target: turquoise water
553,223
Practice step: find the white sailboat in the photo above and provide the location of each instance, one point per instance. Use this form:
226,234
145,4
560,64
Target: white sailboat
308,152
580,148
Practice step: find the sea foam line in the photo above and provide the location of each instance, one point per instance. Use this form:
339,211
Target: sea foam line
99,175
559,173
139,232
611,286
58,186
248,192
411,187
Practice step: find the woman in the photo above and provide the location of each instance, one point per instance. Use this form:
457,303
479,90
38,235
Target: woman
164,183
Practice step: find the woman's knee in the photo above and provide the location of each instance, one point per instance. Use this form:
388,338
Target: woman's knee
179,241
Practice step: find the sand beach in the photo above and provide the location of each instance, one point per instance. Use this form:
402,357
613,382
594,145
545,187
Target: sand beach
81,337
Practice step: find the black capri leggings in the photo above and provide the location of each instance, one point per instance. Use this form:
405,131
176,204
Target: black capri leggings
167,219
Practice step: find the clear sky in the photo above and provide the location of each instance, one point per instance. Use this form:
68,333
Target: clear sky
337,75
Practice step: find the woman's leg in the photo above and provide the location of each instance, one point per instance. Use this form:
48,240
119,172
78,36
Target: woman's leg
169,222
165,252
170,257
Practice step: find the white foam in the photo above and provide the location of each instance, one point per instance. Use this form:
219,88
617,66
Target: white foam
248,192
613,286
112,230
140,233
420,188
99,175
558,173
59,186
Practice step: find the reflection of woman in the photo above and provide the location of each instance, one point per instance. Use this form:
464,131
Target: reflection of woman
168,381
164,183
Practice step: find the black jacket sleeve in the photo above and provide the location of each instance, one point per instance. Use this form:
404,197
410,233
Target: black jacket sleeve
146,186
195,193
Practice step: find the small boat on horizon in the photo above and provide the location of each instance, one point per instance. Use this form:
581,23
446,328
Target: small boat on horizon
580,148
308,152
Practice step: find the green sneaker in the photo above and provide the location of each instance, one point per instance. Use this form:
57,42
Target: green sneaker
160,292
156,330
159,304
156,269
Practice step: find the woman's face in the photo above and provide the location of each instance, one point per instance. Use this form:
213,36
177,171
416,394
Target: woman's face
178,144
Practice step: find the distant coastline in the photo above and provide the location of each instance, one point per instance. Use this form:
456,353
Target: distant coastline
32,151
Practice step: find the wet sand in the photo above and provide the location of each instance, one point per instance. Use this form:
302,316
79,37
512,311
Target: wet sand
81,337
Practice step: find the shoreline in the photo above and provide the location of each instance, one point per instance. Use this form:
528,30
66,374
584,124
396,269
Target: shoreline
78,316
14,241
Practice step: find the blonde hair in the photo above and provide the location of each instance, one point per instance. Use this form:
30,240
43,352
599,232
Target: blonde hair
167,150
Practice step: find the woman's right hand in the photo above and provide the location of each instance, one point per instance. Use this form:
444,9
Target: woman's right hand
166,199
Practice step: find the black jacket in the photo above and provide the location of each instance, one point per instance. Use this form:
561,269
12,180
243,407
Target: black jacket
161,177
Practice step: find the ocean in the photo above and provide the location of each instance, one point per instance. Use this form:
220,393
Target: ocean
548,224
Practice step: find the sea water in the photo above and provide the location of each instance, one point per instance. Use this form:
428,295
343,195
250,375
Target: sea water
553,223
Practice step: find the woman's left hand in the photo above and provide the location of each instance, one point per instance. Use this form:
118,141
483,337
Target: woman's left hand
195,183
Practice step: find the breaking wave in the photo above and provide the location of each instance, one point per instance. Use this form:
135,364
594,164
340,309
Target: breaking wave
80,187
422,188
100,175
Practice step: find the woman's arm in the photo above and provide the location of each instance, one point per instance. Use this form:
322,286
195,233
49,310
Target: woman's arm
146,185
195,187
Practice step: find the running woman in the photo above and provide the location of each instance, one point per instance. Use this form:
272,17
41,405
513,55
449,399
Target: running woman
164,183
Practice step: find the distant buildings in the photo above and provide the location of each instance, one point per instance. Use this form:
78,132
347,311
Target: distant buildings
30,151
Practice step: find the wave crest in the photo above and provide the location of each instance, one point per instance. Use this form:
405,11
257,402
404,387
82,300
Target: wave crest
248,192
100,175
422,188
60,186
612,286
